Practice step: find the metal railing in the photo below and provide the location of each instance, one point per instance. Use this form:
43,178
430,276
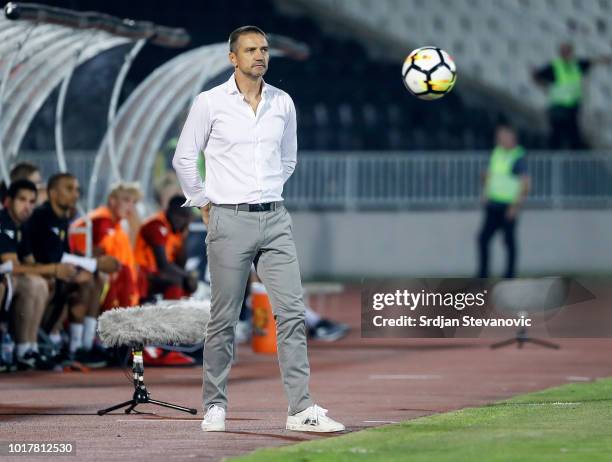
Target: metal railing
79,163
441,180
412,180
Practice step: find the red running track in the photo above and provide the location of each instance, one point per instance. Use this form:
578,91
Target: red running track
363,382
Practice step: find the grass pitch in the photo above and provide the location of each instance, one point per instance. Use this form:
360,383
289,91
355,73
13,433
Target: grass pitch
567,423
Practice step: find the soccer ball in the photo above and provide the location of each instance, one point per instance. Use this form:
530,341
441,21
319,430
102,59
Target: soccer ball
429,73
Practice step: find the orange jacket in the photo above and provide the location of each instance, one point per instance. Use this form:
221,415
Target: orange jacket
114,241
156,228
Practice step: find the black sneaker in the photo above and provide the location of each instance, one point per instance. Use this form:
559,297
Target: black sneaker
66,362
328,331
34,360
7,367
94,358
63,358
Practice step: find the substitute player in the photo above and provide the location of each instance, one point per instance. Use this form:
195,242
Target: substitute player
160,254
109,238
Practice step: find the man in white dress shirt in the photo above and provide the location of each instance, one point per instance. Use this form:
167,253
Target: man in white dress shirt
247,129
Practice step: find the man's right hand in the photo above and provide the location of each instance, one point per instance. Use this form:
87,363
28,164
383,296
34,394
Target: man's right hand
190,284
108,264
205,213
65,271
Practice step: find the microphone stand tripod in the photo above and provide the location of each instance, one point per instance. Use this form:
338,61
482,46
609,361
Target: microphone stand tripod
523,337
141,395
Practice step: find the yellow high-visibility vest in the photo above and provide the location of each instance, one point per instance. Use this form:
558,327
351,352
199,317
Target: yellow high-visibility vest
566,90
502,185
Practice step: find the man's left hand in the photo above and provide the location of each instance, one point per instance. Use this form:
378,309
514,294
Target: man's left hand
205,213
512,212
82,277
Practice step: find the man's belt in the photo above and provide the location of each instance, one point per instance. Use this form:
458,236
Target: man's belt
263,207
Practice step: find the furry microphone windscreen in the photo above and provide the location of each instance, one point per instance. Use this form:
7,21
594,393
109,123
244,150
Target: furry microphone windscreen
533,295
167,322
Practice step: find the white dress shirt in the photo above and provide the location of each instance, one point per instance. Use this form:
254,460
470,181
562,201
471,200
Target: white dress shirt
249,155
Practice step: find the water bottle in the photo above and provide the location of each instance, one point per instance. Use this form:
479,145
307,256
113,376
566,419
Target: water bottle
7,348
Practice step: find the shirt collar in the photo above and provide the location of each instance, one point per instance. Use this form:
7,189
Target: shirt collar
232,88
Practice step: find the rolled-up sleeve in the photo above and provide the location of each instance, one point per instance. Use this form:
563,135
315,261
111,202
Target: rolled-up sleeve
192,141
289,141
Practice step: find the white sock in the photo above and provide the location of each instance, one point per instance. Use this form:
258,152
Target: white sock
76,337
34,347
312,318
89,332
21,349
56,338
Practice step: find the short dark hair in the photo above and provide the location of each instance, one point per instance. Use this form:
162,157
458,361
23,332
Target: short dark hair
20,185
55,179
505,125
22,170
175,205
233,38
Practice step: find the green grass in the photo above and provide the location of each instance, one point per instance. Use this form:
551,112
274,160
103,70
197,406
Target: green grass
568,423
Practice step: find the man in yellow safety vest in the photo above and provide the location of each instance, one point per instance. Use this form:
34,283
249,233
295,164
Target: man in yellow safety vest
563,78
506,184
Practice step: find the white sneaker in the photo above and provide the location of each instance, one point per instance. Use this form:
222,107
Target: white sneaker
313,419
214,420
